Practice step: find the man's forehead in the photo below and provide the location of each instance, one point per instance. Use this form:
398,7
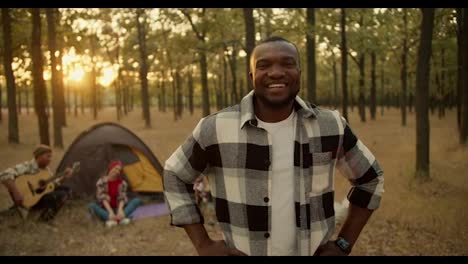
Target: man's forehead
275,45
281,47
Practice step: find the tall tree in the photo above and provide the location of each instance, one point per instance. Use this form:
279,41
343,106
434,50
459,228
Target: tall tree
141,27
311,66
404,68
190,90
344,64
179,94
94,87
232,59
382,87
1,112
58,140
40,93
422,93
460,38
13,135
373,92
225,81
60,86
464,106
200,33
249,41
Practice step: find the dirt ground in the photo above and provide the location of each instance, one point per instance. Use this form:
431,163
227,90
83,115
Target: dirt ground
415,218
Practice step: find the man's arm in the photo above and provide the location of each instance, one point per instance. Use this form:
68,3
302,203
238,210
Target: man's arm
355,221
360,167
180,171
205,246
8,177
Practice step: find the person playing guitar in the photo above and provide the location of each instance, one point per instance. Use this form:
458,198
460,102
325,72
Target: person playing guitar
50,203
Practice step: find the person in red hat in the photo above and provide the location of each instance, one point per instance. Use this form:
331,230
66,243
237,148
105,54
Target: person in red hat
113,205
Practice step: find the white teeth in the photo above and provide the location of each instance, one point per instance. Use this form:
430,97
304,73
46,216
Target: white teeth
276,85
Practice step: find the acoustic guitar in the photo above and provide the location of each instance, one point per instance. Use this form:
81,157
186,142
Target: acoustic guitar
34,187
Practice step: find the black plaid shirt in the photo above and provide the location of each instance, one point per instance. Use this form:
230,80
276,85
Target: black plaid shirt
235,154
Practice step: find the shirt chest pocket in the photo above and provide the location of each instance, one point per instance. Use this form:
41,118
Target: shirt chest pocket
321,172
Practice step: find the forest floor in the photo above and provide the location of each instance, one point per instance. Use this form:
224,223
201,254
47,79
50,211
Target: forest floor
415,218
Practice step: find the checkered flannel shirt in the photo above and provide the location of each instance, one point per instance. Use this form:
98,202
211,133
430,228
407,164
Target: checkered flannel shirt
234,153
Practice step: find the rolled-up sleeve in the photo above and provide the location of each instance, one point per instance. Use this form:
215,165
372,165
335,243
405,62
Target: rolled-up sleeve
180,171
358,164
123,192
26,167
102,193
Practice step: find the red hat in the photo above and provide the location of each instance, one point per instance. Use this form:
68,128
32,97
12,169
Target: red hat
113,164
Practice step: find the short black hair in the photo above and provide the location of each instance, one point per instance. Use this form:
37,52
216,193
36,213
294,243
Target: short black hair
275,39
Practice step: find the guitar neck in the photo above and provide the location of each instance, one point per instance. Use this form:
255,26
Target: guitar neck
53,178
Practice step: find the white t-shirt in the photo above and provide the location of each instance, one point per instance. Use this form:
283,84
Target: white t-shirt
283,221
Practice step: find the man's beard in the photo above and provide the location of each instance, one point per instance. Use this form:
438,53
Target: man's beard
277,104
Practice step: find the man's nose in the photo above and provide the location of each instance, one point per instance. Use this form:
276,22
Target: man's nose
276,71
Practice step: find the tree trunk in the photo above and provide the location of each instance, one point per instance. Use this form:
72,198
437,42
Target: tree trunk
422,93
131,93
40,93
57,122
68,98
204,77
13,135
218,92
336,100
190,87
125,98
464,106
310,47
404,69
76,101
20,99
233,67
143,68
225,82
180,105
460,38
344,65
361,98
268,19
82,101
94,91
26,100
442,93
241,85
118,93
249,41
174,96
1,108
163,95
373,93
60,85
382,87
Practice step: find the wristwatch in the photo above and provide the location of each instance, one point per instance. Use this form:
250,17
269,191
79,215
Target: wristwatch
343,244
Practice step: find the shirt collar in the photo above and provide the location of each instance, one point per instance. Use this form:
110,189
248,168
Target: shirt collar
302,108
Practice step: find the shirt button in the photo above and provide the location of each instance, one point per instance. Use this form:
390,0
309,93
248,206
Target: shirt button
266,235
267,163
266,199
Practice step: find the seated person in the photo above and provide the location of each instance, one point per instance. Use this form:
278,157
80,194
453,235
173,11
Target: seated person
50,203
111,192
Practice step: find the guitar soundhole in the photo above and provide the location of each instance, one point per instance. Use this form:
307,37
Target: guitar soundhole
42,186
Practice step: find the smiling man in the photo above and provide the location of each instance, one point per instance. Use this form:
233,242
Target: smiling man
271,162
